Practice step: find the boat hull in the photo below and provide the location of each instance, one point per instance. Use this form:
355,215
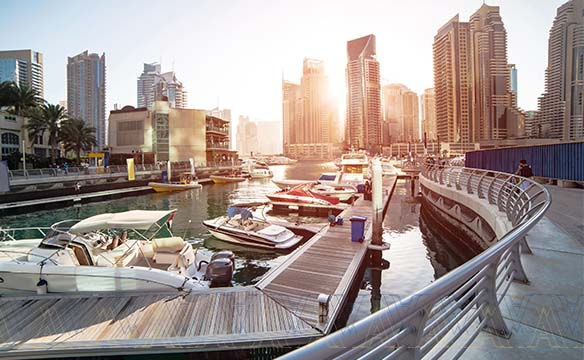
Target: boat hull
242,239
226,179
165,187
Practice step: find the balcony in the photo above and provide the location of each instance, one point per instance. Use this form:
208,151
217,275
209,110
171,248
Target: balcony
219,130
217,145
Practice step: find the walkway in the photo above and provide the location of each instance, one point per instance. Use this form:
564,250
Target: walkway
546,317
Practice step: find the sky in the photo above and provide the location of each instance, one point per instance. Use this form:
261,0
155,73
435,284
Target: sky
233,54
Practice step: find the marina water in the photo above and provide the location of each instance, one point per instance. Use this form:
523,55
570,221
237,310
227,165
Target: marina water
418,255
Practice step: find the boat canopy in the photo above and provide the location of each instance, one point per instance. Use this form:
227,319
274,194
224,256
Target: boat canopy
134,219
245,213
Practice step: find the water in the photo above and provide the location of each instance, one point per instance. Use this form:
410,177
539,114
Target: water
418,256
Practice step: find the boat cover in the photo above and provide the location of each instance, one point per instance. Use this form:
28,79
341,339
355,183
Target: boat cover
272,230
245,213
134,219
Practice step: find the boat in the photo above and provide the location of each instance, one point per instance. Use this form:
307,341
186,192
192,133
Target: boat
302,196
240,227
342,192
354,169
221,179
261,173
388,168
132,251
186,183
288,184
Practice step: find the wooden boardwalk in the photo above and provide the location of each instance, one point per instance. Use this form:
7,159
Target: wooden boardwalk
282,309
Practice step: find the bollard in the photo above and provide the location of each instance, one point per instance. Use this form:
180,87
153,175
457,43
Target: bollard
323,307
42,287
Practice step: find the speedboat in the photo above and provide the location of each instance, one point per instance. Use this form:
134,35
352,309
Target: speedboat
239,227
354,169
121,252
260,173
288,184
220,179
342,192
302,196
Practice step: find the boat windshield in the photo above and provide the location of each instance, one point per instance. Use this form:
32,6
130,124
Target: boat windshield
327,177
353,169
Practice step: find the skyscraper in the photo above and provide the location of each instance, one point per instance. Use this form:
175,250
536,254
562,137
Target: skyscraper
290,94
452,82
24,67
473,82
363,117
146,85
86,92
247,136
154,85
495,112
400,110
429,115
308,116
561,106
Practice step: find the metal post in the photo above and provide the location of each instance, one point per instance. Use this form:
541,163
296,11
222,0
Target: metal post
168,170
23,159
377,197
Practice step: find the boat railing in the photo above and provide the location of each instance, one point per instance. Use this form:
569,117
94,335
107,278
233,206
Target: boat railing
446,316
13,234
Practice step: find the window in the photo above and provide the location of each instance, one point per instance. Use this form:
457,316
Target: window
10,139
131,133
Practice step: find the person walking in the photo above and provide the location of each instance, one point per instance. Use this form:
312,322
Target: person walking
525,171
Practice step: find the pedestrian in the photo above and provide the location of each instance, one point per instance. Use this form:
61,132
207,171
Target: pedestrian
524,170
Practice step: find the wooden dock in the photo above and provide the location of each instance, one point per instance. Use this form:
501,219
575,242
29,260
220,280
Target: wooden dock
282,309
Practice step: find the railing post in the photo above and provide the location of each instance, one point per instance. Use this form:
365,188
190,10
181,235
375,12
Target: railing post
413,340
525,248
492,313
516,264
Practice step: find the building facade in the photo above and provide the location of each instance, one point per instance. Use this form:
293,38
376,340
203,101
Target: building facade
452,82
24,67
308,114
171,134
13,133
429,115
226,115
247,137
152,85
86,88
269,137
400,113
561,106
363,114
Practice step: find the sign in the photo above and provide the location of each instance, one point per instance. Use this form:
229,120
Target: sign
131,174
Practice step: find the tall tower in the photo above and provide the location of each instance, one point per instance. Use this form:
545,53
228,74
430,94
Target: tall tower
86,92
315,127
24,67
290,94
452,82
146,85
363,117
400,112
429,115
561,105
495,113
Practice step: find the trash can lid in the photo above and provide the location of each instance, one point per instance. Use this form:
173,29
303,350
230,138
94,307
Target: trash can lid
358,218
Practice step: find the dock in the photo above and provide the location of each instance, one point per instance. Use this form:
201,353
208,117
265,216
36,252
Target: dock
281,310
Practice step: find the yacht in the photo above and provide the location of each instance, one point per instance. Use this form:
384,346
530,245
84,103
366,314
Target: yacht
240,227
121,252
260,173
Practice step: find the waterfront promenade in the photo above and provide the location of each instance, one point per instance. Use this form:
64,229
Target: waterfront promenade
546,316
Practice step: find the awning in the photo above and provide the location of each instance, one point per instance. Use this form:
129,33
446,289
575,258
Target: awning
135,219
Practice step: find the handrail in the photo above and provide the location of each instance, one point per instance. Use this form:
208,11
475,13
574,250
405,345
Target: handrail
466,300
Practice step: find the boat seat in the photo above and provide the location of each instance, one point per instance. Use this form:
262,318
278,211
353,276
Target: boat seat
167,250
250,227
147,250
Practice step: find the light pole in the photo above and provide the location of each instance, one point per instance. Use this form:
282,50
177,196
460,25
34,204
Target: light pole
23,158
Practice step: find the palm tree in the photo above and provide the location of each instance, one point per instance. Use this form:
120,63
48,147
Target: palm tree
21,99
77,136
47,118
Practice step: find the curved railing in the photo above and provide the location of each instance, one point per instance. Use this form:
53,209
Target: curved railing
447,315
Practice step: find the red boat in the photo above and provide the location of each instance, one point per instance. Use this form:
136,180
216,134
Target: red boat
299,195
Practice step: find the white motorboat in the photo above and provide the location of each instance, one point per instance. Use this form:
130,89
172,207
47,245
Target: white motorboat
113,253
342,192
288,184
388,168
239,227
260,173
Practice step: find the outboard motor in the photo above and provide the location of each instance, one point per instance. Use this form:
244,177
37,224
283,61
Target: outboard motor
220,269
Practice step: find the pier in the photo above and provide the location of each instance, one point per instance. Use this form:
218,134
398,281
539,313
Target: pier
282,309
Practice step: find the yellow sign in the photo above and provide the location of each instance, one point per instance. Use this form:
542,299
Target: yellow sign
131,174
95,155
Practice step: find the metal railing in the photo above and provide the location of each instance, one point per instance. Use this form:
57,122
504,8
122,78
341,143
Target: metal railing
77,171
446,316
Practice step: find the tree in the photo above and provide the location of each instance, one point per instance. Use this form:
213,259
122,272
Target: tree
48,118
77,136
20,99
